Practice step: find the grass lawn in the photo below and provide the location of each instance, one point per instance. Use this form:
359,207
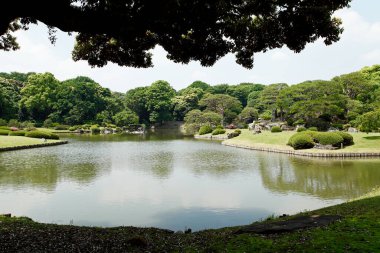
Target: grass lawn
16,141
357,231
364,143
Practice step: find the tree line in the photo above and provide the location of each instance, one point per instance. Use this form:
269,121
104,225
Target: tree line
347,100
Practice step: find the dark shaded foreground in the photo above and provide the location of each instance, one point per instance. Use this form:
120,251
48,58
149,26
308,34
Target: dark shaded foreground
349,227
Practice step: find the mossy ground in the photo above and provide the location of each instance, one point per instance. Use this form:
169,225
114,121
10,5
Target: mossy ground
16,141
363,143
357,231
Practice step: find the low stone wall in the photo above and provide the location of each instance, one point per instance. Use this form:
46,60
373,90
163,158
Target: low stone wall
305,153
211,137
34,146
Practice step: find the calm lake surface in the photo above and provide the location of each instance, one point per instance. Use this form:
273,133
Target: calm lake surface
171,182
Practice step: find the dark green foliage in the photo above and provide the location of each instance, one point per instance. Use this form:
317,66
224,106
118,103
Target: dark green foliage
206,129
301,141
276,129
237,131
73,128
95,130
218,131
314,129
348,139
301,129
41,134
219,127
328,138
62,127
3,122
17,133
4,132
126,117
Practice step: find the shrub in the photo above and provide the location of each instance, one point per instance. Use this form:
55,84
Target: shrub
4,132
17,133
218,131
41,134
62,127
14,123
337,126
301,141
95,130
205,130
232,135
238,131
219,127
301,129
73,128
329,138
48,123
5,128
347,138
3,122
276,129
314,129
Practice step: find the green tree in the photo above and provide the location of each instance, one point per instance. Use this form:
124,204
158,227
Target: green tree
125,31
136,100
9,98
159,98
38,96
186,102
222,104
355,86
248,115
369,121
268,99
125,118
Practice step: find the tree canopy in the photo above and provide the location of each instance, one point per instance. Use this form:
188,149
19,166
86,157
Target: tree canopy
124,31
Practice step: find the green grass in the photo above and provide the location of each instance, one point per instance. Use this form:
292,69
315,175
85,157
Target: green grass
357,231
16,141
52,130
363,142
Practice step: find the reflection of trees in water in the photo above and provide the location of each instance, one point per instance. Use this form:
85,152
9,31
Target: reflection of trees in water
157,163
42,171
325,179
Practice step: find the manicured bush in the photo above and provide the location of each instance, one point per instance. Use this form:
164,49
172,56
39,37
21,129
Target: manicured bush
329,138
301,141
95,130
276,129
219,127
4,132
41,134
238,131
5,128
218,131
337,126
62,127
314,129
232,135
347,138
73,128
301,129
17,133
205,130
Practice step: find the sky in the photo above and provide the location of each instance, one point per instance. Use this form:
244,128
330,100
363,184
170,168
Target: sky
359,46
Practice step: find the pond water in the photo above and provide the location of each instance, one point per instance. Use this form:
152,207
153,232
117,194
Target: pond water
171,182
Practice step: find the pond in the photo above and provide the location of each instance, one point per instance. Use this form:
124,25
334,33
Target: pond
171,182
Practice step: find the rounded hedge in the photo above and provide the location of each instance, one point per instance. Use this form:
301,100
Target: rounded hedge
347,138
301,141
329,138
276,129
5,128
62,127
205,130
41,134
17,133
238,131
314,129
301,129
218,131
4,132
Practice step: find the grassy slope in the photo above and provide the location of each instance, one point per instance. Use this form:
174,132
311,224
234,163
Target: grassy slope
15,141
358,231
363,142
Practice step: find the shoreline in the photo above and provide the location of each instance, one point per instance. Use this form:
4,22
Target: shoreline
270,149
33,146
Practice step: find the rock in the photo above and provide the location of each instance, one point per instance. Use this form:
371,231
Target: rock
325,147
352,130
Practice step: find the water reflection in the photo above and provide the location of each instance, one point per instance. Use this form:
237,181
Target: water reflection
323,178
